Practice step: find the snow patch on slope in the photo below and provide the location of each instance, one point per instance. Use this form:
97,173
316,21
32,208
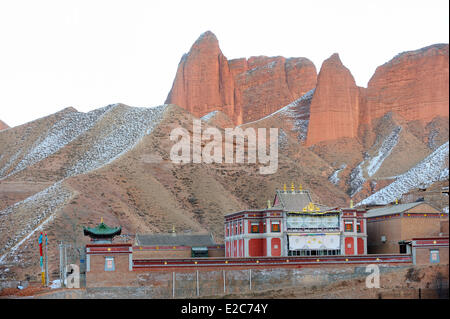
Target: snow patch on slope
385,150
299,112
282,138
60,134
133,124
372,164
357,179
334,178
208,116
294,110
11,161
40,207
429,170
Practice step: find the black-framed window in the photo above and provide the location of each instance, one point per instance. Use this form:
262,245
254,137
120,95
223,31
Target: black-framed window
254,228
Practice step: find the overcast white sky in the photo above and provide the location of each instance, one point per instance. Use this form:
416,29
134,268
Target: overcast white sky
88,54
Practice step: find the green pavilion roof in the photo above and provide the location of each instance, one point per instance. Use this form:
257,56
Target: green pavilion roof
102,230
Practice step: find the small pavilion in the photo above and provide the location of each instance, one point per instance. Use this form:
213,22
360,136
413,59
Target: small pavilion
102,233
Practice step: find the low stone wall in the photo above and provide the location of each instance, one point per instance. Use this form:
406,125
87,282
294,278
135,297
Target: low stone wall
12,284
211,283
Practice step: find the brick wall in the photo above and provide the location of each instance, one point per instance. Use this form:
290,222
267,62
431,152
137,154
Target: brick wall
420,226
423,255
216,252
97,276
161,253
178,252
444,227
387,227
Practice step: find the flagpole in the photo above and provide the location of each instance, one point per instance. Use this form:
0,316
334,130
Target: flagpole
46,260
41,261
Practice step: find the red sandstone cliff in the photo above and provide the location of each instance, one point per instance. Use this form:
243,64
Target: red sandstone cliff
334,111
413,84
263,85
203,82
3,125
245,90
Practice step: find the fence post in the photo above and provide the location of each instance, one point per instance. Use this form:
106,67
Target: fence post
198,290
61,282
173,284
65,265
250,276
224,288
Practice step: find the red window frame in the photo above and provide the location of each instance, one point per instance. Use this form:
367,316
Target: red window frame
275,227
348,227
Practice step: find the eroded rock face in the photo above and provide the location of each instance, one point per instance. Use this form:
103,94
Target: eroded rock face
335,105
3,125
203,82
245,90
263,84
413,84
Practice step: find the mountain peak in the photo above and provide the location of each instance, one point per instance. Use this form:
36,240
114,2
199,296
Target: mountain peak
207,35
207,38
334,107
3,125
243,89
334,58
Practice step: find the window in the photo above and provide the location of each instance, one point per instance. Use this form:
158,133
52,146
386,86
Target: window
434,256
358,227
275,227
348,227
109,264
255,228
402,248
240,228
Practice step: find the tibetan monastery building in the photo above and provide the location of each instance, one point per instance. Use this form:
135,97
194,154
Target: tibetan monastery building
293,225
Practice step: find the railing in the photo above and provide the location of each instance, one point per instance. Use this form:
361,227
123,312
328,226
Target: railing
160,264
